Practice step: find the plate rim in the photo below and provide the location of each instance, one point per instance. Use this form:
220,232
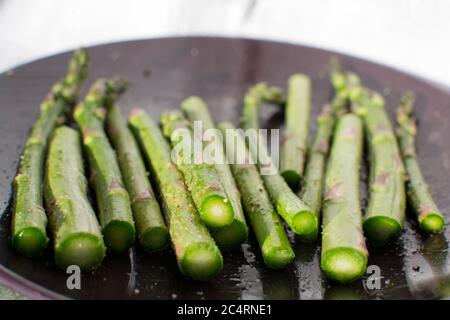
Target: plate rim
444,88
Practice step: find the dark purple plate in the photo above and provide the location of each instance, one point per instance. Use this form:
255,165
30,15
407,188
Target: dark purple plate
165,71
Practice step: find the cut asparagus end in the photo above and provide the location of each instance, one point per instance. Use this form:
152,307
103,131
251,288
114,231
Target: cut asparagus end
30,241
82,249
305,225
432,223
154,239
201,261
217,212
292,178
278,257
118,236
381,229
343,264
232,236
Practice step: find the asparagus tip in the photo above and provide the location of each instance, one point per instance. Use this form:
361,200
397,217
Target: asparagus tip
344,264
119,235
30,241
217,212
202,261
232,236
432,223
305,225
155,239
381,229
82,249
278,257
136,112
192,102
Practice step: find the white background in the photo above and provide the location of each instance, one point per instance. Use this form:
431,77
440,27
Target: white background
412,35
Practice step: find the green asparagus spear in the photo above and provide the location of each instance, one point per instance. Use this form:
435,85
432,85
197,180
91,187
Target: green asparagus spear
76,233
430,218
387,200
112,198
344,253
233,235
201,177
28,216
151,230
293,149
386,208
300,218
313,182
275,247
196,252
253,99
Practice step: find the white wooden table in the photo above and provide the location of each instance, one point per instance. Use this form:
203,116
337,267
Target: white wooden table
412,35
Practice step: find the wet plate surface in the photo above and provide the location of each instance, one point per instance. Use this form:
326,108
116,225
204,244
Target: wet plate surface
165,71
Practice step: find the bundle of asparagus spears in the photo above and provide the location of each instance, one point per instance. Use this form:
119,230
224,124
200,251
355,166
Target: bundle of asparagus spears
201,207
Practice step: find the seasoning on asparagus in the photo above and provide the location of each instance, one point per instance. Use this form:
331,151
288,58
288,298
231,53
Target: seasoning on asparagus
196,252
76,233
113,201
201,177
233,235
429,217
293,148
29,220
150,226
386,208
344,253
313,182
272,239
300,218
